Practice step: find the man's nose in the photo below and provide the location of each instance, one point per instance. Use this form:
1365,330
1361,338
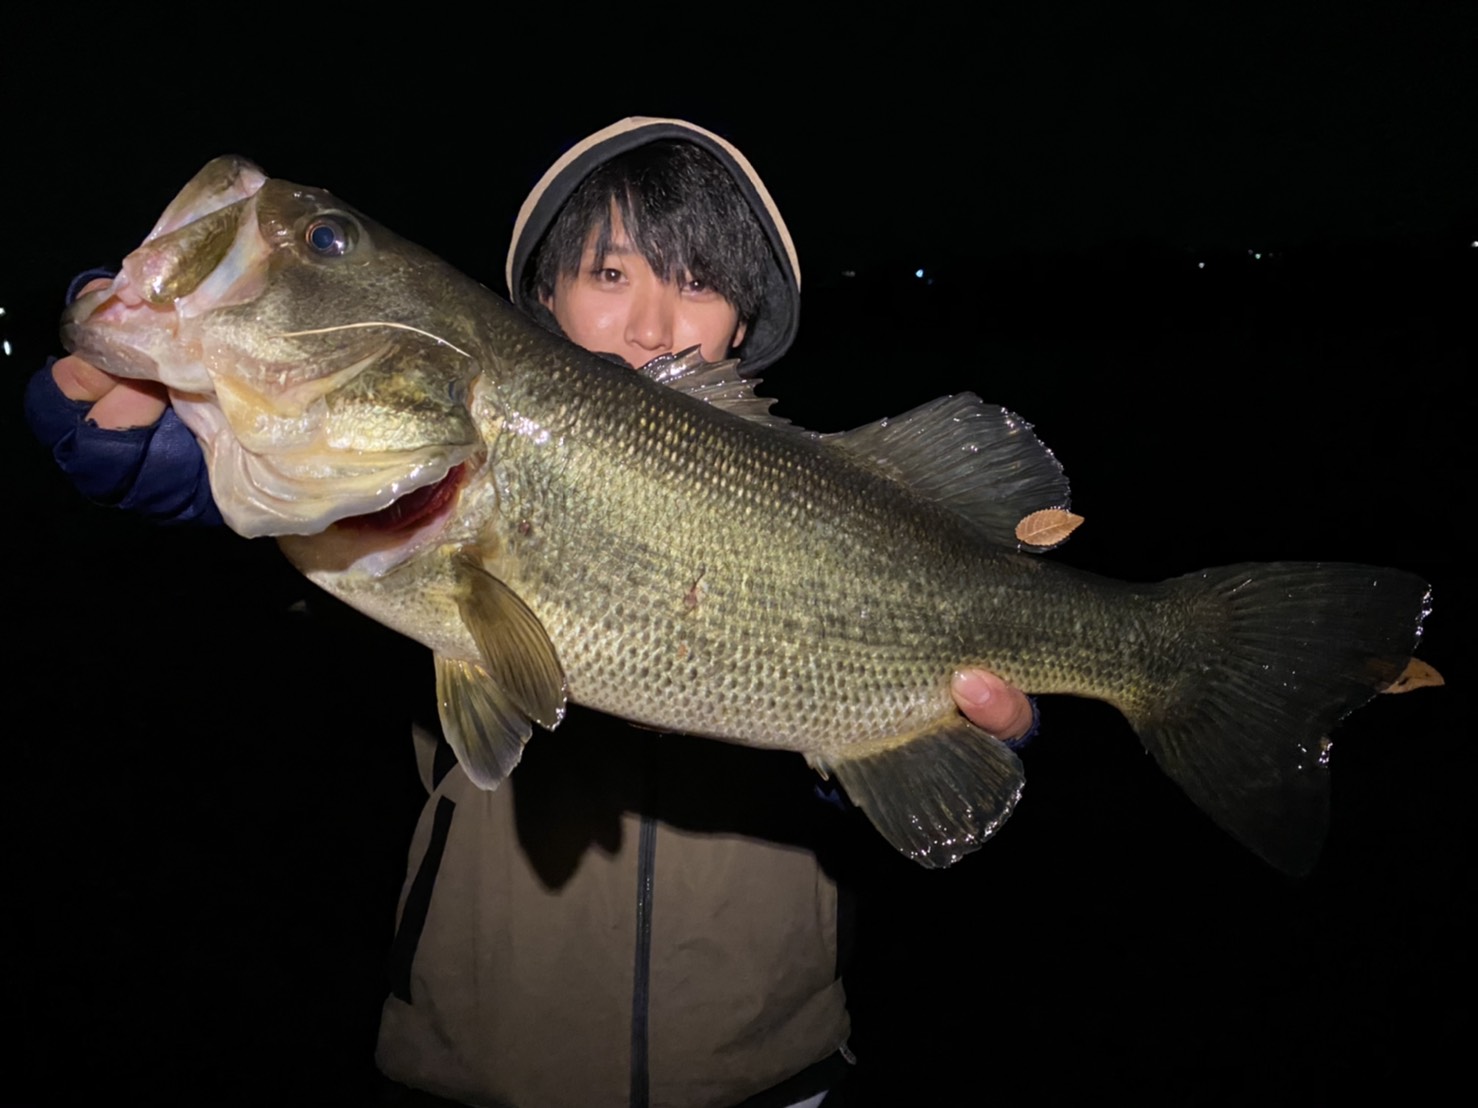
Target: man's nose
649,324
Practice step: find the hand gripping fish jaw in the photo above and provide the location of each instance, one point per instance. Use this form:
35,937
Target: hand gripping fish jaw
236,302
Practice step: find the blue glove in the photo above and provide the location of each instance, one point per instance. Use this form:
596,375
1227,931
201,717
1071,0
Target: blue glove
156,471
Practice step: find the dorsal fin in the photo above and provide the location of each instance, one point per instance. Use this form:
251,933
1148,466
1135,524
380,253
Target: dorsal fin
716,383
976,459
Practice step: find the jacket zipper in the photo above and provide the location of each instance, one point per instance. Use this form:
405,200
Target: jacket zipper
641,980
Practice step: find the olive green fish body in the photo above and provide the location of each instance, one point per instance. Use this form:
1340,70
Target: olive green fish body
704,574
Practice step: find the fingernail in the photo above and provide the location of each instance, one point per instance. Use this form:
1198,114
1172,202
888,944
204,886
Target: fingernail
972,688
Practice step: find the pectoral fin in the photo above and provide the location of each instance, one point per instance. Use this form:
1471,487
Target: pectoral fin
515,648
936,794
485,729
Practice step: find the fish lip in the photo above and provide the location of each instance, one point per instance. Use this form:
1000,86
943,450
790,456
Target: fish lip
97,327
79,311
125,330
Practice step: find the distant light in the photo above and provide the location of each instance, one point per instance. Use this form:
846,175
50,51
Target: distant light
1257,257
1200,265
1470,244
853,272
6,347
918,273
2,310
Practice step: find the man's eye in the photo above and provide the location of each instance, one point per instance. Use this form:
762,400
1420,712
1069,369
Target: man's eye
608,275
697,286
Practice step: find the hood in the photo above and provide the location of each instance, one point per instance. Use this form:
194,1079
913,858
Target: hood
772,333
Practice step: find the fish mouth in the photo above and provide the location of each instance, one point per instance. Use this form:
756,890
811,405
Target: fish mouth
378,543
205,252
414,509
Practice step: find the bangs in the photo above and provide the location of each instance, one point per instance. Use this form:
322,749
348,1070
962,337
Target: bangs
679,209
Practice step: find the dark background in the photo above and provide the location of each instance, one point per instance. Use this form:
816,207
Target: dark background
1225,262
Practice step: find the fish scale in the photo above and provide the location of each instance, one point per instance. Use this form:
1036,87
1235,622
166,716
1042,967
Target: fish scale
673,514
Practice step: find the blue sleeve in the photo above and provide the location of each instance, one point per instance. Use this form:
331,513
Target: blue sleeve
158,471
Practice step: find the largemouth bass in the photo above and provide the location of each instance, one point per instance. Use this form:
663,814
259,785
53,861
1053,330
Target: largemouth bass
655,545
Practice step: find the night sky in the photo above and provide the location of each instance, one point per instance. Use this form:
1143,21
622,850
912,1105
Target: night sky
1226,264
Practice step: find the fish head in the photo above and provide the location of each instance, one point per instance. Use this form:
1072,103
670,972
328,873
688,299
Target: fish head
323,363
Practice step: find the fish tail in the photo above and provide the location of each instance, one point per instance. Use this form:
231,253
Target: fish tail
1261,661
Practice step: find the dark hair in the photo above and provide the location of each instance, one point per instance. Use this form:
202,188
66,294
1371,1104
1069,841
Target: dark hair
680,207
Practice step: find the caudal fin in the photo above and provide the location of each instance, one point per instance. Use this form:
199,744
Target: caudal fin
1273,655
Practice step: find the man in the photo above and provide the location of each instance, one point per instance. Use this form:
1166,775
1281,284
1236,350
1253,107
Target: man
634,919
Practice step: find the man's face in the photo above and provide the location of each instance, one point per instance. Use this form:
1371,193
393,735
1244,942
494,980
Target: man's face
616,305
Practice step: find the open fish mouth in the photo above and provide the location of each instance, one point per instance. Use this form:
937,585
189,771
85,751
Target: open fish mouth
411,511
375,543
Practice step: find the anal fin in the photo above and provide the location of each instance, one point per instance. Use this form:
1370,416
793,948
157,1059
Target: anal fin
936,794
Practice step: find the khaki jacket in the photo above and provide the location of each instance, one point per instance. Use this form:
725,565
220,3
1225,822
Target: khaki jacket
631,919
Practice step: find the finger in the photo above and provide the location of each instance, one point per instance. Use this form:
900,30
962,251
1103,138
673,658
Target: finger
117,404
130,404
991,704
78,380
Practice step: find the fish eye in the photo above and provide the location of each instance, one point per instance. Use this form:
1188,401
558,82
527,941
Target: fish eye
330,236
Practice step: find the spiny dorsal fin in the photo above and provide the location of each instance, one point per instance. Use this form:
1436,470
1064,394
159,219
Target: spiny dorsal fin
937,794
716,383
485,730
976,459
515,648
